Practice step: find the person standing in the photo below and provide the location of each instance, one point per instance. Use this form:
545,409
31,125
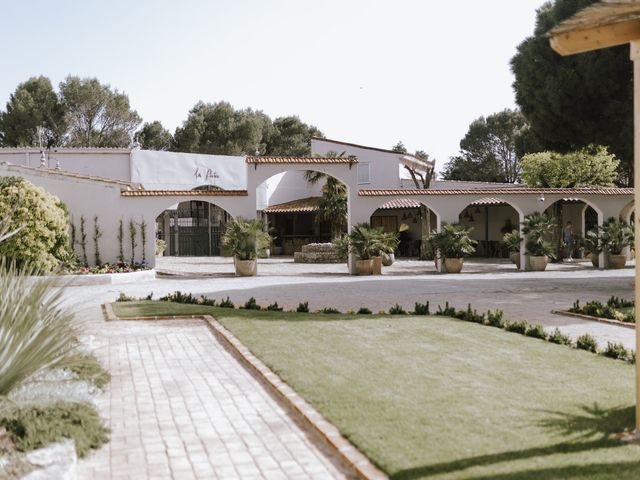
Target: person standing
568,240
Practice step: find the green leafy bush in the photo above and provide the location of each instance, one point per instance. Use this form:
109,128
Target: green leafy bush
245,238
517,326
274,307
86,367
329,310
615,350
226,303
303,307
421,308
397,310
536,331
558,337
495,318
252,305
44,240
447,311
36,331
587,342
453,241
35,426
364,311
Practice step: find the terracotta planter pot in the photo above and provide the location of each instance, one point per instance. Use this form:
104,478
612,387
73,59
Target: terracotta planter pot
453,265
376,265
364,267
595,260
246,268
617,261
515,259
538,264
388,259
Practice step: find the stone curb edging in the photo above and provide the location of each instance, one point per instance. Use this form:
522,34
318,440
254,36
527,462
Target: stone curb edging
348,454
595,319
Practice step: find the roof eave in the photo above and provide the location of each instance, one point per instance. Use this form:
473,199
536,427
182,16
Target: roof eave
594,38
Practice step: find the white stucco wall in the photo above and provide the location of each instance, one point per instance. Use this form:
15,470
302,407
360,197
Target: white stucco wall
383,165
290,186
100,162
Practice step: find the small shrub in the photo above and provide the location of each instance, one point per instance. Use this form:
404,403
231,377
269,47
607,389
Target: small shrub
630,317
469,315
616,302
274,307
632,357
397,310
447,311
495,318
125,298
87,367
421,308
558,337
350,312
329,310
536,331
303,307
615,350
576,307
364,311
226,303
517,326
587,342
252,305
35,426
382,312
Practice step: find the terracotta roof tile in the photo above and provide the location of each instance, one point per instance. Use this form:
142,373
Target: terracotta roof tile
501,191
303,205
183,193
310,160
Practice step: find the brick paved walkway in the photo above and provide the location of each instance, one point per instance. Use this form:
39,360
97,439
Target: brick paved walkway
180,406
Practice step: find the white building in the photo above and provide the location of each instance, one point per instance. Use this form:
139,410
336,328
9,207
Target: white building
186,198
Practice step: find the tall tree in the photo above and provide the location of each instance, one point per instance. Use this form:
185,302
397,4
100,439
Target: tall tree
219,129
153,136
34,107
488,150
291,137
97,116
571,102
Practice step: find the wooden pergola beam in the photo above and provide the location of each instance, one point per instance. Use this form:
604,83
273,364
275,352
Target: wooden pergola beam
595,38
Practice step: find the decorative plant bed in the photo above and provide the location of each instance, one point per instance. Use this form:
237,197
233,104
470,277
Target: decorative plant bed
595,319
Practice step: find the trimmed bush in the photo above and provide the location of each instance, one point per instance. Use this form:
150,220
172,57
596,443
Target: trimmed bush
274,307
421,309
35,426
518,326
226,303
44,240
536,331
587,342
303,307
397,310
615,350
252,305
447,311
558,337
364,311
495,318
329,310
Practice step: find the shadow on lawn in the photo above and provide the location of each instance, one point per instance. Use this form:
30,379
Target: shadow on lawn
594,422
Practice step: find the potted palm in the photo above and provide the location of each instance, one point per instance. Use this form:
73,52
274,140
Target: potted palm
593,245
245,239
512,241
362,243
384,244
453,243
616,236
537,226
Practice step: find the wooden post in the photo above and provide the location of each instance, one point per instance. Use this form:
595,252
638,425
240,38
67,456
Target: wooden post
635,56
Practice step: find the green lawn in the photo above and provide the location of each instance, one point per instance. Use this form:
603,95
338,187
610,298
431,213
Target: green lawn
433,397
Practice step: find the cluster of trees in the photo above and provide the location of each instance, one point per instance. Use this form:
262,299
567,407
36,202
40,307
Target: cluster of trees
85,113
566,104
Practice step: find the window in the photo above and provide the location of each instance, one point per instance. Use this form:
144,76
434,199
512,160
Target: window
364,173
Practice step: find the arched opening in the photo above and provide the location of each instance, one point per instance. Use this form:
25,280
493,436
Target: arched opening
302,207
490,218
575,217
192,228
412,220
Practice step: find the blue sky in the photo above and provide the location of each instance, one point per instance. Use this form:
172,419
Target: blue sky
371,72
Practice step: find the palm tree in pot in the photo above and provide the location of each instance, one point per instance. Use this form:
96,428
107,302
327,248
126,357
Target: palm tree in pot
593,245
616,236
362,243
244,239
537,227
453,243
384,243
512,241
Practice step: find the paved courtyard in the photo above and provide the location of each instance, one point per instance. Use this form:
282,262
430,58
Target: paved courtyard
180,406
